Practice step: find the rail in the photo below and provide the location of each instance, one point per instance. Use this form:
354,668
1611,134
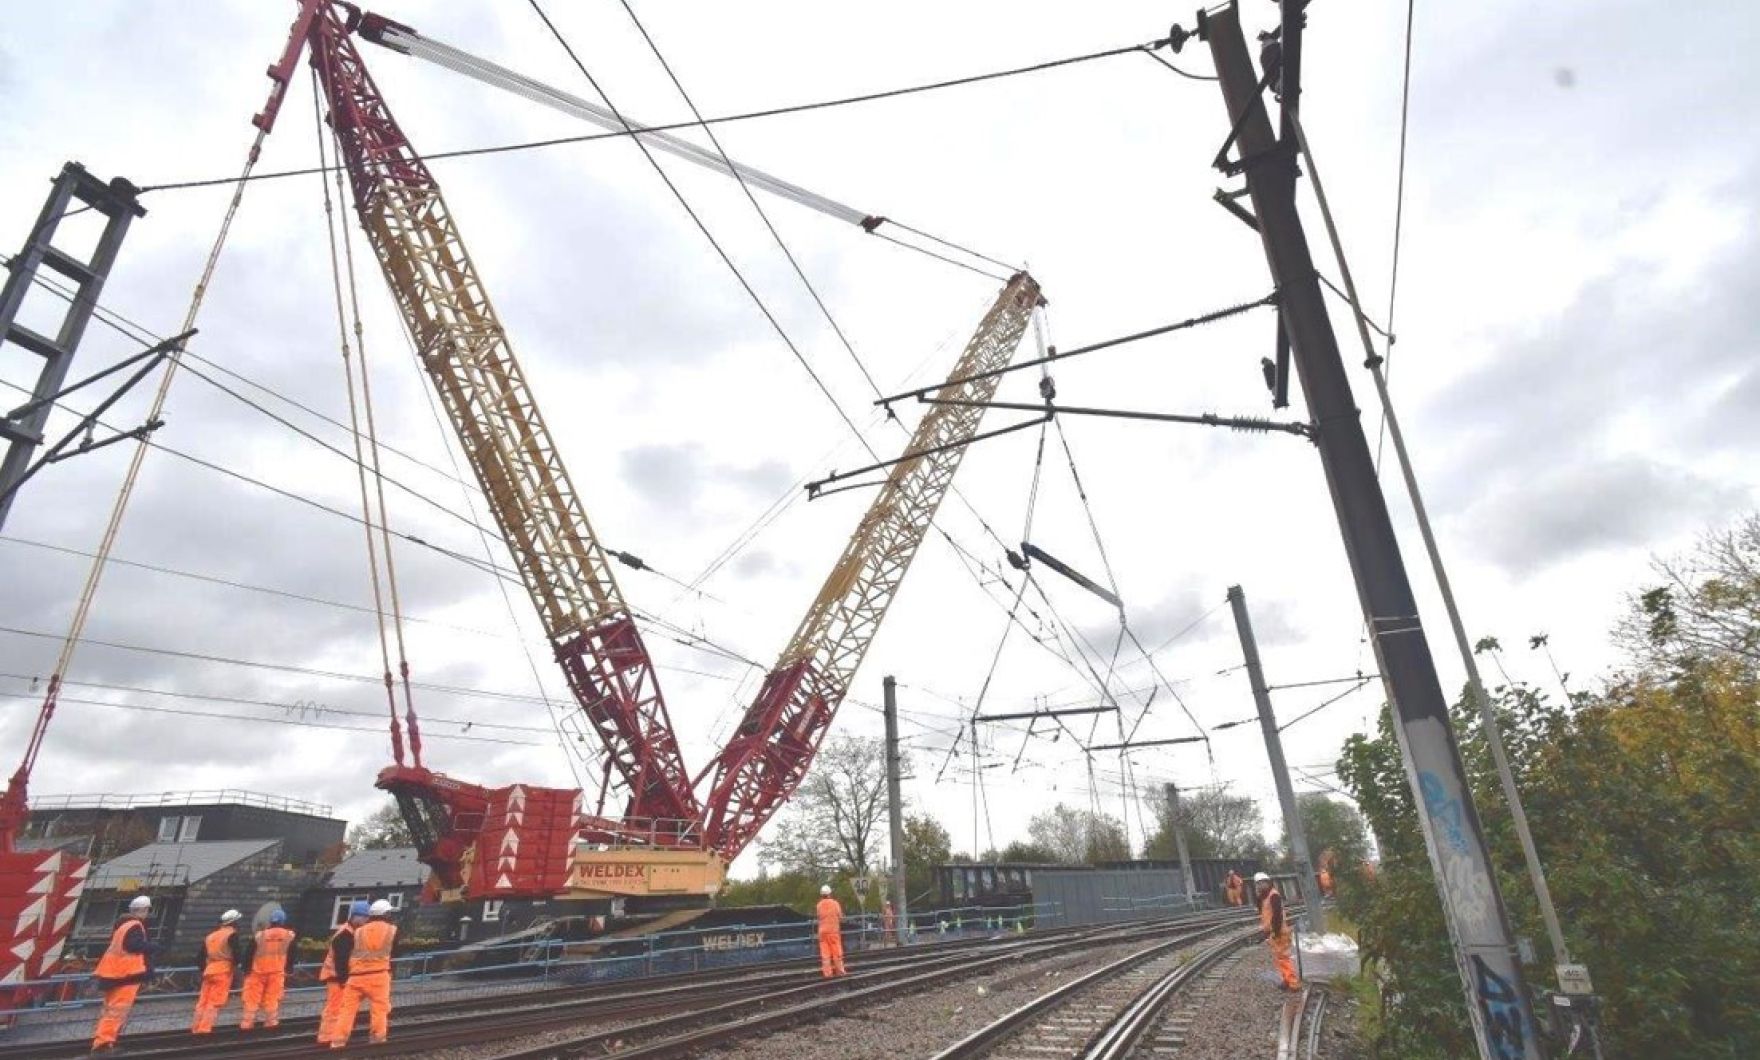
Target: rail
218,797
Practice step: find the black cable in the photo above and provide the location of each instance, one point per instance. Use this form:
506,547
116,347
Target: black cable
1183,73
63,700
763,215
302,708
701,226
771,112
1399,210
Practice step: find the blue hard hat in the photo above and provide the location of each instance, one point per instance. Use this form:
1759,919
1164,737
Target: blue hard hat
358,909
278,917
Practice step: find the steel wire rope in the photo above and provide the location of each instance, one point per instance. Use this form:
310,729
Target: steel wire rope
702,227
781,243
271,721
1399,210
360,349
800,357
570,749
88,593
300,707
396,729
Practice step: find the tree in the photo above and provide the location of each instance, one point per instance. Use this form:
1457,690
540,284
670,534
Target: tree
1706,607
1217,825
836,821
1027,854
926,845
1642,798
1075,837
383,829
1331,825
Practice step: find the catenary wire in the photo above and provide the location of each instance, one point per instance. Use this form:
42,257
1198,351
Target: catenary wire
1399,211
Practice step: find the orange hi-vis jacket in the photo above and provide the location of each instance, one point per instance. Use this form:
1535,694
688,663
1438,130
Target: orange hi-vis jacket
372,948
217,947
327,971
119,967
1272,920
830,916
271,952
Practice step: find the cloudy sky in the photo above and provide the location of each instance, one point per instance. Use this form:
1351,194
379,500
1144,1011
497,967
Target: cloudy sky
1575,368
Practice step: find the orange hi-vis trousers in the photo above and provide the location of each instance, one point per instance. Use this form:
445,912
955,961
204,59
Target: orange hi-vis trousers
831,953
1282,955
111,1018
211,1000
263,989
373,988
332,1005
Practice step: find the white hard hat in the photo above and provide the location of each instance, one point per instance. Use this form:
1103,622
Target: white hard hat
379,908
140,904
1260,877
825,890
229,916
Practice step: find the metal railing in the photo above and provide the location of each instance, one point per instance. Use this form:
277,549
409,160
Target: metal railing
219,797
457,972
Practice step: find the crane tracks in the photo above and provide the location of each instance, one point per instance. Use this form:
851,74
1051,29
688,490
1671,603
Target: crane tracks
1109,1012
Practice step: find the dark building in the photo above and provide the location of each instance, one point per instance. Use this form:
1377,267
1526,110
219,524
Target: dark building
114,825
190,884
393,874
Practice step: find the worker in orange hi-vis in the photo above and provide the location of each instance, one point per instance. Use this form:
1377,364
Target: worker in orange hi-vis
126,964
219,958
369,978
334,971
830,934
888,923
1274,928
1233,889
271,960
1325,880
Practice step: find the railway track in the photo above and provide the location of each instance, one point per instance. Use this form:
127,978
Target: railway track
1108,1013
627,999
1298,1030
694,1032
661,1010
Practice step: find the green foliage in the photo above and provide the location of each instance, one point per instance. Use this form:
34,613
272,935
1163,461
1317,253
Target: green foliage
797,890
381,830
926,845
1643,800
1331,825
1024,853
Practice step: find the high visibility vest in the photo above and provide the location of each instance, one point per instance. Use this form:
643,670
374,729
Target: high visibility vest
372,948
271,952
830,916
1266,916
217,947
118,963
327,971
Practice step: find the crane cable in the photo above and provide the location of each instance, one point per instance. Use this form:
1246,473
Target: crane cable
88,593
354,431
360,345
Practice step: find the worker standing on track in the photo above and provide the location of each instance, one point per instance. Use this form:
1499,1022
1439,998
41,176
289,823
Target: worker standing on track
126,964
334,971
271,960
1232,888
888,924
1275,930
369,978
830,934
221,955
